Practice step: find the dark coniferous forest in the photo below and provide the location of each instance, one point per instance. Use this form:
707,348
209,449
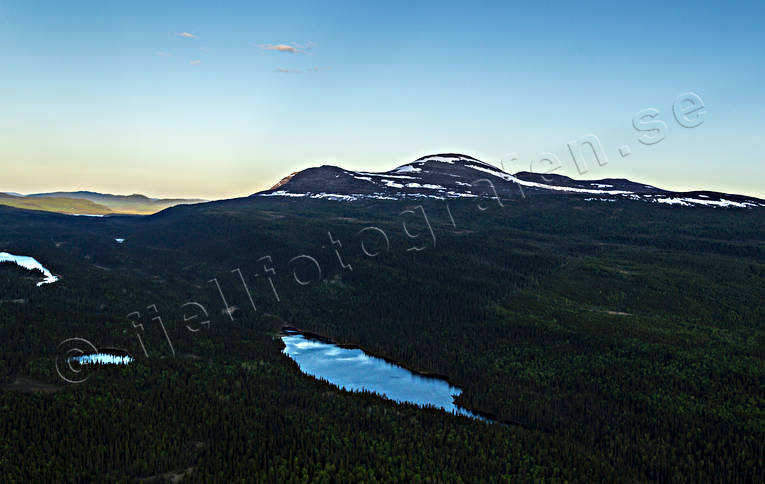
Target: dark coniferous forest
619,342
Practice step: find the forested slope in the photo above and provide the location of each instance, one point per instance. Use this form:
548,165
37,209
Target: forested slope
620,341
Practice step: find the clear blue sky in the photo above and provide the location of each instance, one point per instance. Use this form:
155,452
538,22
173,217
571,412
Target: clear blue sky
200,99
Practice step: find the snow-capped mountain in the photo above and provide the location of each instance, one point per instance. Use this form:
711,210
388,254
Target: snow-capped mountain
452,175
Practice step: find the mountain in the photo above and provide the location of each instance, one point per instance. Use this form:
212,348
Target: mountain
452,175
122,204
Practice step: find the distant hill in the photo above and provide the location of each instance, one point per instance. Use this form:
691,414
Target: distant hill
72,206
92,203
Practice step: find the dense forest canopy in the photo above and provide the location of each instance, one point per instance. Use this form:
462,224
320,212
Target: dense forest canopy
619,341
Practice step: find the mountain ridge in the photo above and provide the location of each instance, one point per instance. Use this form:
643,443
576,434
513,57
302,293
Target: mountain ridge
454,175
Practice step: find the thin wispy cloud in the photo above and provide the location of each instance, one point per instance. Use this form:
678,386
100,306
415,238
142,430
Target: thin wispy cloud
288,48
187,35
280,48
162,53
195,62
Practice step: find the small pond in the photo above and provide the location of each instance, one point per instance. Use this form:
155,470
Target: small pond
102,359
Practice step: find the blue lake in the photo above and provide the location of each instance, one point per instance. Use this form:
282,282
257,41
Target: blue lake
355,370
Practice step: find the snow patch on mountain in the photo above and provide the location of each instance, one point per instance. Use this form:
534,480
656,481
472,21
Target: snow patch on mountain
426,185
688,202
440,159
407,169
511,178
392,184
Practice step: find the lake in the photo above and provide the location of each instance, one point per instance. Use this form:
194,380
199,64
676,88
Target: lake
29,263
355,370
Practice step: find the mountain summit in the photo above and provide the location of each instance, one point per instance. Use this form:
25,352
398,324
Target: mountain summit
452,175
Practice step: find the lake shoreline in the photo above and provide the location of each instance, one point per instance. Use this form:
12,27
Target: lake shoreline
309,335
353,346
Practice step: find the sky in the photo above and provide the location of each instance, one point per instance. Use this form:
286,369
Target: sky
223,99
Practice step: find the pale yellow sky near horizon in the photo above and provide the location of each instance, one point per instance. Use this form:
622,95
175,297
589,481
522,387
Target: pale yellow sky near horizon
235,181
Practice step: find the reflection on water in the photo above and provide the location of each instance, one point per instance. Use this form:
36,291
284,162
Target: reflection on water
29,263
354,370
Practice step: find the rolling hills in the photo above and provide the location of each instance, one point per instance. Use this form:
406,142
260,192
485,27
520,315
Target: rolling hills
91,203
